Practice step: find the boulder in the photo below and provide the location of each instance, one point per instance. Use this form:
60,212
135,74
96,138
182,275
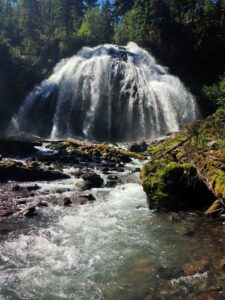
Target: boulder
16,171
92,180
66,201
24,148
30,212
196,266
16,188
138,147
172,186
42,204
83,199
33,187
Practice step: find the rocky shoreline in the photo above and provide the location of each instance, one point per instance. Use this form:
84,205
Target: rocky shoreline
186,170
24,162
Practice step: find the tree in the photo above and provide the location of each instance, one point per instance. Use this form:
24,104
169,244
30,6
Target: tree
121,7
95,27
29,18
68,16
108,20
131,28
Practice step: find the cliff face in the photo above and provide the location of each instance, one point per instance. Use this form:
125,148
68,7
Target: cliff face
187,169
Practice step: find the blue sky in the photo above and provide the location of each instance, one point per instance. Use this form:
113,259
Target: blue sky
101,1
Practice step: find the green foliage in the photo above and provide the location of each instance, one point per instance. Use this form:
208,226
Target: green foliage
131,28
215,93
96,27
187,36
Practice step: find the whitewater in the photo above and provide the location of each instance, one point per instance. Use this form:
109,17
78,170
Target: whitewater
107,93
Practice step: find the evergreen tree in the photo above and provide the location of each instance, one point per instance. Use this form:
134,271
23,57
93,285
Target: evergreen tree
121,7
95,28
131,28
29,18
108,19
68,16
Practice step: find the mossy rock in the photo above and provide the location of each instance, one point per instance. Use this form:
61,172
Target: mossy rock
171,186
91,150
165,145
169,180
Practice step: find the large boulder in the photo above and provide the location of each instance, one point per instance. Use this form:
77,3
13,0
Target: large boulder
172,186
92,180
16,171
23,148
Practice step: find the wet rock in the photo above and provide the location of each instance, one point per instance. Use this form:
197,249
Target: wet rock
124,159
16,188
140,206
111,183
33,187
84,199
92,180
30,212
16,171
105,170
112,180
5,213
197,266
67,201
169,272
138,147
42,204
79,173
11,148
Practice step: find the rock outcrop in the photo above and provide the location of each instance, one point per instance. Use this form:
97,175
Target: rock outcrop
17,171
187,169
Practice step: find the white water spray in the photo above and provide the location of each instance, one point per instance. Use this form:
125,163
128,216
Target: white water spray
108,93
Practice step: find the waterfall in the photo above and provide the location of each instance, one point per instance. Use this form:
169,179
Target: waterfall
107,93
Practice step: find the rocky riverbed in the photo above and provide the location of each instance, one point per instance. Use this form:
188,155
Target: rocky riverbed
25,162
80,228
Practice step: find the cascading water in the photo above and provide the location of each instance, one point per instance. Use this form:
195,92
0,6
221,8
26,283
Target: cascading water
108,93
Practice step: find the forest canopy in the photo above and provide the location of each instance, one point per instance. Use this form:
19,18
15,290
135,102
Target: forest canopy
188,36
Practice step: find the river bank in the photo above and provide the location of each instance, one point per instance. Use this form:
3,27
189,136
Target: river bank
187,169
89,233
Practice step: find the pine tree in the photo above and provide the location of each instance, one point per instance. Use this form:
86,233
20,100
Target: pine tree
68,16
121,7
108,19
29,17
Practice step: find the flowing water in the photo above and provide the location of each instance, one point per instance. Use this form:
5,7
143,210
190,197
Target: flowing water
107,93
113,248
